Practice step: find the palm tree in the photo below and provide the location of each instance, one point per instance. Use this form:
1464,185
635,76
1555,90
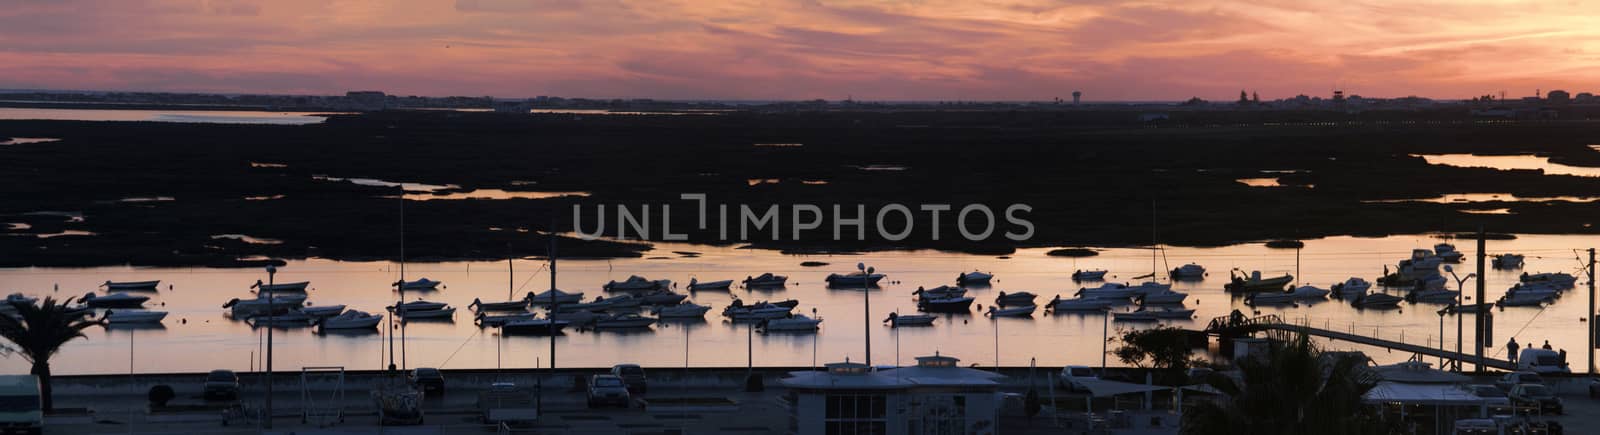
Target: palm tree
38,331
1297,389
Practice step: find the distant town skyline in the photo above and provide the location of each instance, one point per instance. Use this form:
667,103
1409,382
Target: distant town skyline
1001,50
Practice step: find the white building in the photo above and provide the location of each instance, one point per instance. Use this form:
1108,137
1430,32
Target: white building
933,397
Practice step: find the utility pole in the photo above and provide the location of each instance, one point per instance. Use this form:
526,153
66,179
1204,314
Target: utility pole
866,309
1478,316
271,316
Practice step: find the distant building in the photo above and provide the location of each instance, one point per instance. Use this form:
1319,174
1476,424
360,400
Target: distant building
935,396
1077,96
1583,98
366,100
1338,97
1558,97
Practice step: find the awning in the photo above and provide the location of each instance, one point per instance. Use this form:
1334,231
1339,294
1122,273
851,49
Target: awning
1103,388
1421,394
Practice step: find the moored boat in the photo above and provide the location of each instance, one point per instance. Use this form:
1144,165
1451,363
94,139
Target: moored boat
116,317
946,305
637,283
501,319
682,311
766,280
1377,300
533,326
260,304
114,300
353,319
695,284
1167,297
1351,288
420,305
1019,311
896,320
1507,261
1079,304
556,296
1436,296
1088,275
1018,298
284,287
943,291
440,313
974,277
1188,271
323,311
514,305
420,284
623,321
798,322
853,279
130,285
662,297
1447,253
1254,282
1110,290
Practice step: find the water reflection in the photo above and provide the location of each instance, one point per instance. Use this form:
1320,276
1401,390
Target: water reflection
1505,163
187,116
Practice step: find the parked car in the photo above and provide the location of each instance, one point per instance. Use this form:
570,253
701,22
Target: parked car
1536,395
604,389
1491,395
427,379
222,385
20,404
1594,388
1517,378
1071,377
632,375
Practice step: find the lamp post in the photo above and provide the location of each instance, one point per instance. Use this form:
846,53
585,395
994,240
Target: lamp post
1105,336
866,309
1461,292
271,316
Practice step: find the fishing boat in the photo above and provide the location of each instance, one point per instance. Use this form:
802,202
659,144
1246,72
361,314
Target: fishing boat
623,321
1507,261
1377,300
1018,298
1167,297
1108,290
798,322
285,287
121,317
20,299
682,311
766,280
501,319
695,284
974,277
514,305
1437,296
556,296
441,313
323,311
420,284
1447,253
853,279
1301,293
637,283
940,292
1079,304
260,304
130,285
1088,275
896,320
1020,311
420,305
1351,288
1256,283
946,305
353,319
1188,271
662,297
532,326
114,300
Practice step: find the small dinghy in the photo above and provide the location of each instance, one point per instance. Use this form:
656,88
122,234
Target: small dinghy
896,320
682,311
798,322
419,305
420,284
532,326
1018,298
1088,275
766,280
946,305
353,319
1377,300
516,305
501,319
624,321
854,279
1079,304
695,284
1302,293
442,313
663,297
125,317
637,283
130,285
558,296
940,292
323,311
974,277
1022,311
114,300
1351,288
1188,272
285,287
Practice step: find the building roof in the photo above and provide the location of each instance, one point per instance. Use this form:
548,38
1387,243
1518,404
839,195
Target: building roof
1421,394
1417,372
934,371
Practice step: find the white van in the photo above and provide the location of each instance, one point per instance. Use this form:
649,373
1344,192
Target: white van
20,406
1542,361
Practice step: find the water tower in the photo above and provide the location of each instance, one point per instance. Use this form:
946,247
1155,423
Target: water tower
1076,96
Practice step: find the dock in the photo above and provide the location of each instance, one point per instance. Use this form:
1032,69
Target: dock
1234,326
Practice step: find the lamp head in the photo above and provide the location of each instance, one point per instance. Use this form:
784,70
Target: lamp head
272,268
861,266
1447,268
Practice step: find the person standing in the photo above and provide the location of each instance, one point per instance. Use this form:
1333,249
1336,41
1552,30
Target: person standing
1511,346
1547,345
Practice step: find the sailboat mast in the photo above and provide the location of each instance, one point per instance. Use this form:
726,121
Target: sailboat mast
511,274
398,307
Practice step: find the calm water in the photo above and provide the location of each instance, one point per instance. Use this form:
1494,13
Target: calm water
1505,163
188,116
198,337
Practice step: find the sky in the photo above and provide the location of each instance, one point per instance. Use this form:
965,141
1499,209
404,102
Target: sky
766,50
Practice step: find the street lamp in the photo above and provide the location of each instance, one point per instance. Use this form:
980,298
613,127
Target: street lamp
1461,291
271,316
866,309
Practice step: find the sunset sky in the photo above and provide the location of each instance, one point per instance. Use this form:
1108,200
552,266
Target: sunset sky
747,49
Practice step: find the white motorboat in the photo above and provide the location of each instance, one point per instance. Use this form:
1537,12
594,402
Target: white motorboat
1018,298
1167,297
20,299
635,283
798,322
119,317
756,312
1302,293
556,296
766,280
853,279
353,319
1351,288
441,313
946,305
1254,282
1188,271
1558,279
1377,300
130,285
695,284
511,305
622,321
1020,311
974,277
1447,253
1148,287
940,292
532,326
1421,265
1079,304
681,311
1110,290
1525,299
419,305
284,287
896,320
1437,296
1088,275
1507,261
323,311
259,305
500,319
662,297
420,284
114,300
